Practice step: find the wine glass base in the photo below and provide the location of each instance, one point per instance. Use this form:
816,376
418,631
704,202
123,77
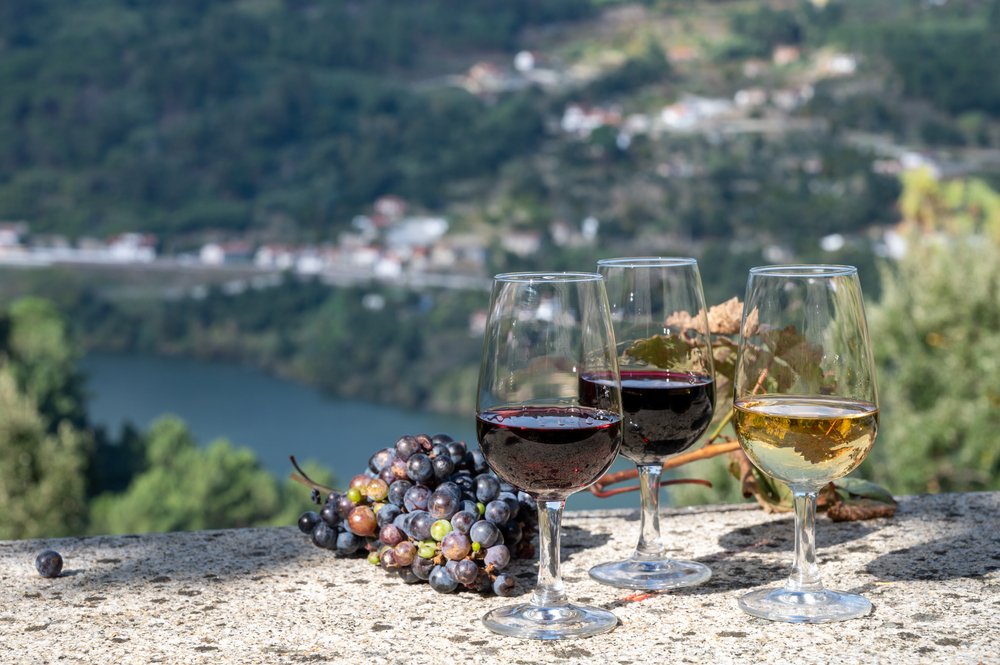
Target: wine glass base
821,606
651,575
549,623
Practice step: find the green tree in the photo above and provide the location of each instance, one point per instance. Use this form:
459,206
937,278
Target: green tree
43,360
42,474
184,487
936,335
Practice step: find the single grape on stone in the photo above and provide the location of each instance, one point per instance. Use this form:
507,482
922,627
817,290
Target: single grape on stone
49,563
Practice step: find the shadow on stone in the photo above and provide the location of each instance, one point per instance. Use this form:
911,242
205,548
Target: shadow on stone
779,535
575,539
944,558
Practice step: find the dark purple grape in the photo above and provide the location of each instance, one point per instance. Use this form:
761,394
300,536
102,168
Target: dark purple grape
425,442
406,552
390,535
511,532
397,490
487,488
451,488
416,498
507,487
443,466
441,438
497,512
49,563
328,513
462,521
407,575
381,459
485,533
406,446
348,543
475,461
456,449
469,506
323,535
439,450
464,481
512,503
387,558
399,469
442,505
441,580
420,525
456,546
466,572
362,521
344,506
387,514
387,475
307,521
315,497
504,585
422,567
402,522
527,502
419,468
497,556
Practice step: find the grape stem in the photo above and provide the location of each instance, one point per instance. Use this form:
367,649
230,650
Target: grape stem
303,478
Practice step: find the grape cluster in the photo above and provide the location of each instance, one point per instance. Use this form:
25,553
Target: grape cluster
429,509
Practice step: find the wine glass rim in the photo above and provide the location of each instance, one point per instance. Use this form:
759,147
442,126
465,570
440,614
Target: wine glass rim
804,270
643,261
530,277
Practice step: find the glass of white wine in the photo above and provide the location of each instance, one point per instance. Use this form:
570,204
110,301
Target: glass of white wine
806,411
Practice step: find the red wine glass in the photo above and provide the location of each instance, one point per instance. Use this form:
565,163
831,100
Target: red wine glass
668,397
544,332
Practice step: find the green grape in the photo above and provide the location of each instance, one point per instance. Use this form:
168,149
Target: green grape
354,494
440,529
426,551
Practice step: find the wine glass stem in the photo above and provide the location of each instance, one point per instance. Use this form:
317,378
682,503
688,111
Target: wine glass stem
805,572
650,545
549,591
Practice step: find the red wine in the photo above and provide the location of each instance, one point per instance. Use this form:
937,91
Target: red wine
549,452
665,412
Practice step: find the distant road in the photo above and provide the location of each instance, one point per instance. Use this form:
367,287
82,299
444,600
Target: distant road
238,277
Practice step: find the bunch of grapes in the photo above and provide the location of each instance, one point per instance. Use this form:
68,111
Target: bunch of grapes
429,509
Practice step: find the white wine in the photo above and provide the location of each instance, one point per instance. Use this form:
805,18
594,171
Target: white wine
805,441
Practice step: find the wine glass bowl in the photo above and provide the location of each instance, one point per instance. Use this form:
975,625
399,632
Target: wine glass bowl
544,332
805,411
668,397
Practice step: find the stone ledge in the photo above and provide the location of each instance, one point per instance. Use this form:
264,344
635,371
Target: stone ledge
268,596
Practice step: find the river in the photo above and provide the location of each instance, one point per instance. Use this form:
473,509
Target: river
271,416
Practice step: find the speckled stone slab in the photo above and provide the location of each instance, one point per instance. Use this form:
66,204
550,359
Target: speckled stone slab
269,596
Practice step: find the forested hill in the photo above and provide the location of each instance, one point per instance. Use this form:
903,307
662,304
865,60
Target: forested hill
190,114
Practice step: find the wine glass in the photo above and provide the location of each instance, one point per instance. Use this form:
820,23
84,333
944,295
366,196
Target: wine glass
668,397
544,334
806,411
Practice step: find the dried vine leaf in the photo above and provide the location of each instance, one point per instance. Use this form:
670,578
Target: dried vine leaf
660,351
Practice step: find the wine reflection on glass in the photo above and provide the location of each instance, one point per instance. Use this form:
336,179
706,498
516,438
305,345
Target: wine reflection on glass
544,331
805,411
668,397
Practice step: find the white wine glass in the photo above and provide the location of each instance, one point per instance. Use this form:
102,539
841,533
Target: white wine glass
806,411
546,333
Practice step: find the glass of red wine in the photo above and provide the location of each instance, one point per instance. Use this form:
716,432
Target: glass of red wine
544,333
668,397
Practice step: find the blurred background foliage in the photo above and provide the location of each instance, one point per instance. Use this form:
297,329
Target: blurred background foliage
280,120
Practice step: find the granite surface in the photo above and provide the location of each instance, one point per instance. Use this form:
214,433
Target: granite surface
269,596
